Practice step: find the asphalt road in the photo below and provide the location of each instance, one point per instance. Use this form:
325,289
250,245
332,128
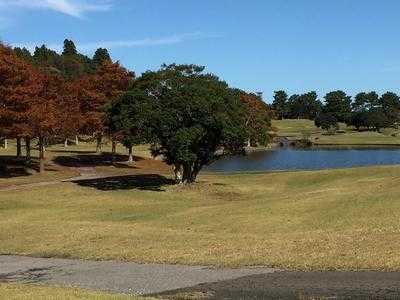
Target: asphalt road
121,277
172,280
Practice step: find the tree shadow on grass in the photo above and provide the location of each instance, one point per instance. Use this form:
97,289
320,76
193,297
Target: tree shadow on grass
147,182
296,285
10,167
94,160
74,151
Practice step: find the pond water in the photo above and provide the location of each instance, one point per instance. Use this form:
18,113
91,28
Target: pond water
307,159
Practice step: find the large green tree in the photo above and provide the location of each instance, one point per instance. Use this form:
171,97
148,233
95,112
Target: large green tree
127,119
390,103
338,103
187,115
100,57
305,106
279,105
365,101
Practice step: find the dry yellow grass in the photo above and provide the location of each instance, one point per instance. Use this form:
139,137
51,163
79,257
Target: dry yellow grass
38,292
335,219
358,138
299,128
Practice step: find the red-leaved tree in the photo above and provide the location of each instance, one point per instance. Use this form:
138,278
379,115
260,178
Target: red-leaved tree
95,92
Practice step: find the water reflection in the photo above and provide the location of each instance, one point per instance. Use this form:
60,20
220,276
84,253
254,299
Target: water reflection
308,159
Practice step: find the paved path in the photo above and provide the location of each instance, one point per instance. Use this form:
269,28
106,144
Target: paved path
212,284
129,278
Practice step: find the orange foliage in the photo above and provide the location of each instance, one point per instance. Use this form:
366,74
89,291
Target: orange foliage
96,91
19,85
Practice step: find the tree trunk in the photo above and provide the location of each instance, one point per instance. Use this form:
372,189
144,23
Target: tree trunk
130,151
19,147
28,148
41,154
44,145
5,143
113,147
113,150
66,143
76,140
99,143
178,171
188,172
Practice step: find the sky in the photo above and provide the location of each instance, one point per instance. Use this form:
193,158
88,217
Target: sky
255,45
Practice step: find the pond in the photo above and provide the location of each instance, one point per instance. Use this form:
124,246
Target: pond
307,159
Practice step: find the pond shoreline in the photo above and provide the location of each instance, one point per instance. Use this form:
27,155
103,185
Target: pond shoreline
315,157
355,145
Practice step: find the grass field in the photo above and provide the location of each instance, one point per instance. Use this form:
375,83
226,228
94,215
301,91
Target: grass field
61,163
306,128
335,219
36,292
295,128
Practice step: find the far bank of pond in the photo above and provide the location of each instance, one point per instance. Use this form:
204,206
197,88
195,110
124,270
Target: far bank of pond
313,158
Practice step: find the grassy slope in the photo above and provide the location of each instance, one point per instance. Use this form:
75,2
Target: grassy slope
36,292
295,127
336,219
299,128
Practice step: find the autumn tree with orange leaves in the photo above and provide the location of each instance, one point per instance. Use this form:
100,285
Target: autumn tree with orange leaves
258,118
19,85
95,93
33,104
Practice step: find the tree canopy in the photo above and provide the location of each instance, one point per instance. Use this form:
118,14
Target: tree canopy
188,114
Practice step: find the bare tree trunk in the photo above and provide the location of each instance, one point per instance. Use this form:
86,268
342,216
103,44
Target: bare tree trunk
66,143
41,154
28,148
113,150
187,172
19,147
178,172
76,140
99,143
130,151
113,147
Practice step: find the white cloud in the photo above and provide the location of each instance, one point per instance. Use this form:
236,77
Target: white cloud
75,8
146,42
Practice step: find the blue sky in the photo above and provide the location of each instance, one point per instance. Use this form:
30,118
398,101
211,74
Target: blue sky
258,45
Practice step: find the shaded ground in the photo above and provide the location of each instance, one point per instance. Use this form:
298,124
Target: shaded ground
185,282
151,182
299,285
76,162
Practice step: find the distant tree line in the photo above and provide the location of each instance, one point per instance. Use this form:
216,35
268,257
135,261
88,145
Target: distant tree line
189,117
70,64
367,111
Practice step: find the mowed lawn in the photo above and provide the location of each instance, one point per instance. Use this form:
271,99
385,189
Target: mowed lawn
294,128
34,292
335,219
358,138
